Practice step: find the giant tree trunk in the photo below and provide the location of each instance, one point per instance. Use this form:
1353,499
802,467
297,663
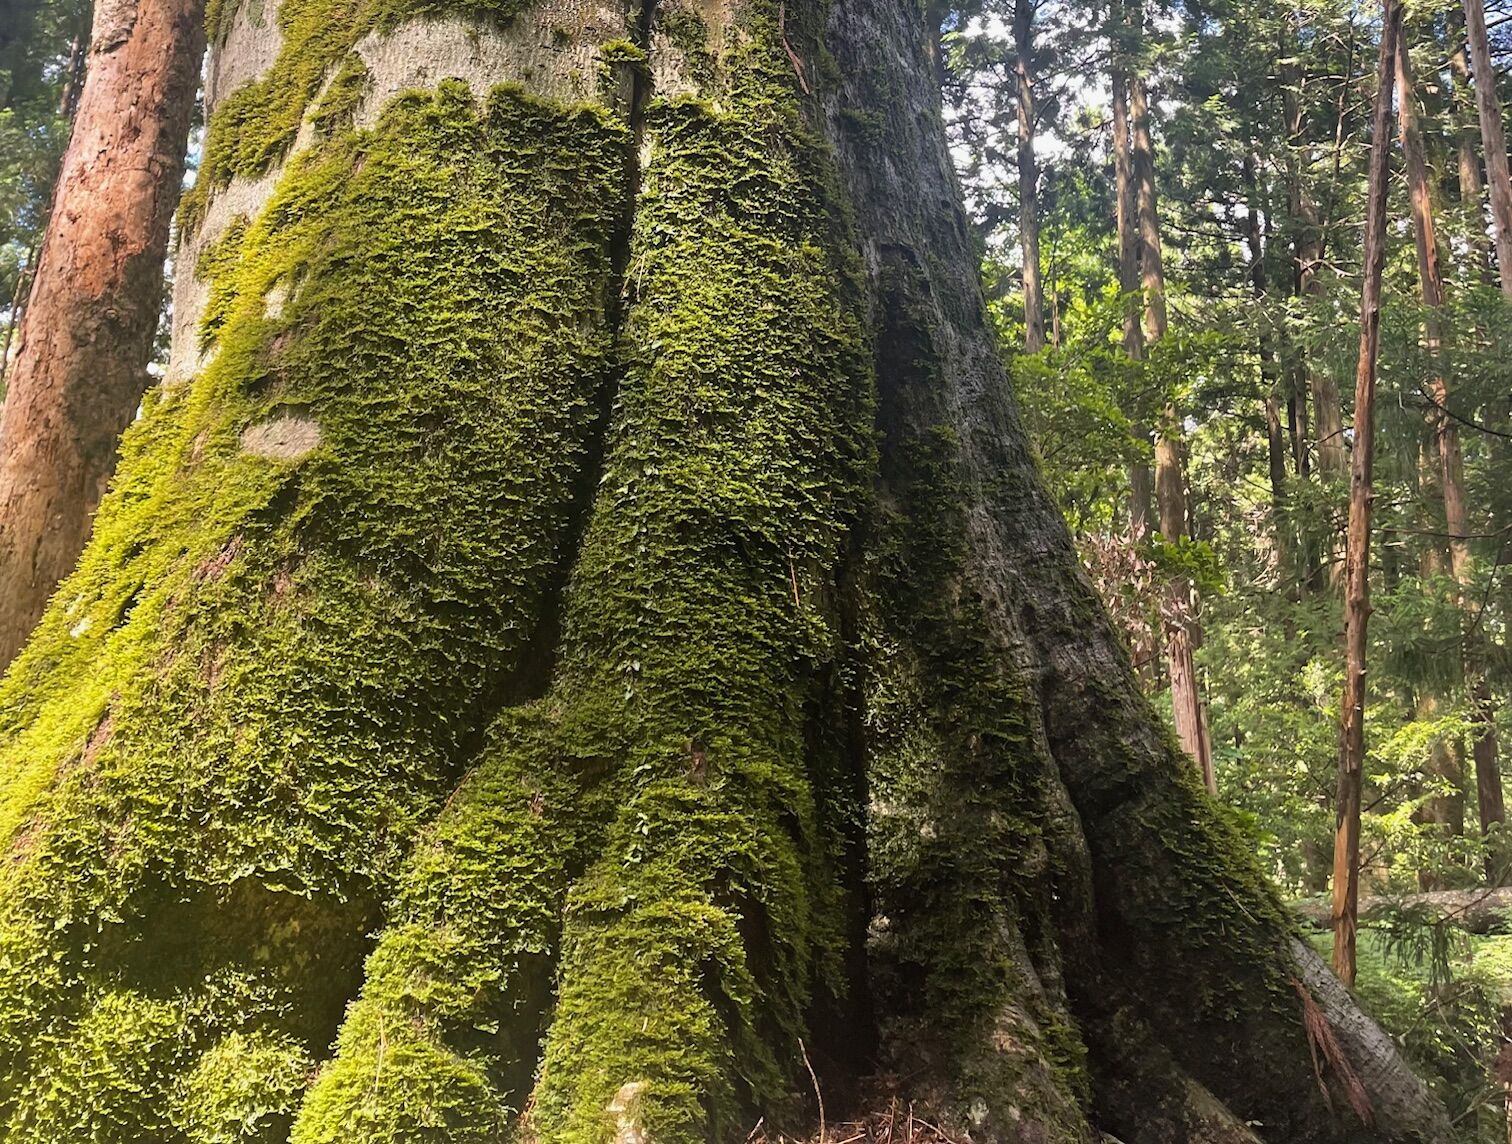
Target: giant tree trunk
85,340
588,543
1346,867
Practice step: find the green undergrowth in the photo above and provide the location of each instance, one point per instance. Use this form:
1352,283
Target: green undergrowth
1442,994
317,575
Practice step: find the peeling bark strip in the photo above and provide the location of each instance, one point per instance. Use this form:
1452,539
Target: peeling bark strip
84,343
590,637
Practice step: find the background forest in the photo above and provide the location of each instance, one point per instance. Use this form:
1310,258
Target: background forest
1261,124
1201,454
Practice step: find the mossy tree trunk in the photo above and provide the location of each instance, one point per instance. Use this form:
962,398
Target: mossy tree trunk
580,634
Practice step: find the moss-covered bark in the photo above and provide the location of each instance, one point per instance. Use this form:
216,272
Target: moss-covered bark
588,637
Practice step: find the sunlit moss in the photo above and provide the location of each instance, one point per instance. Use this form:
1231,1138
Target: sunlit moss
317,576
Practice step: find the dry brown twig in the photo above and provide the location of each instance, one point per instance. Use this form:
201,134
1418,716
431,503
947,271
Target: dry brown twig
788,48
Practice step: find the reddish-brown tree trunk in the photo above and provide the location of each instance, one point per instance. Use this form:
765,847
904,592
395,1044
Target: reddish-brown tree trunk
1028,178
86,336
1467,161
1493,141
1346,871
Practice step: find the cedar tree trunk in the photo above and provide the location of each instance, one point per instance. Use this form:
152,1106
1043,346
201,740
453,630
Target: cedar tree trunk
580,637
86,337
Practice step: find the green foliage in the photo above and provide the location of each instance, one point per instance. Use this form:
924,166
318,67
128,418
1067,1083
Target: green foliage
1442,996
37,66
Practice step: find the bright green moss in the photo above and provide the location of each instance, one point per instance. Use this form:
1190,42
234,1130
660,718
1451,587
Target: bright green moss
338,103
242,1089
701,619
319,570
659,793
457,984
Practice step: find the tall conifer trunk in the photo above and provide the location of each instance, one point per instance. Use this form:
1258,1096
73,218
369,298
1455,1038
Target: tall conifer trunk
1493,140
1467,159
1182,629
581,633
1028,175
1450,477
86,337
1141,475
1346,869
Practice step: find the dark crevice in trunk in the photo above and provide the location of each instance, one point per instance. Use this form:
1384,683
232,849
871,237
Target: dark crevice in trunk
530,678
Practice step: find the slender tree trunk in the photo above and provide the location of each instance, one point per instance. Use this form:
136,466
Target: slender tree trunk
1493,141
1328,415
1141,475
1275,430
1467,160
1028,176
73,81
86,335
1182,630
1450,477
1307,380
1346,867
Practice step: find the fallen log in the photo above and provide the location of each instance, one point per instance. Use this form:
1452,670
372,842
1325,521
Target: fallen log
1485,910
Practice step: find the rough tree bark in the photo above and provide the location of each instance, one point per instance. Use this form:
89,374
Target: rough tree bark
1493,140
581,632
1028,175
1346,866
86,335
